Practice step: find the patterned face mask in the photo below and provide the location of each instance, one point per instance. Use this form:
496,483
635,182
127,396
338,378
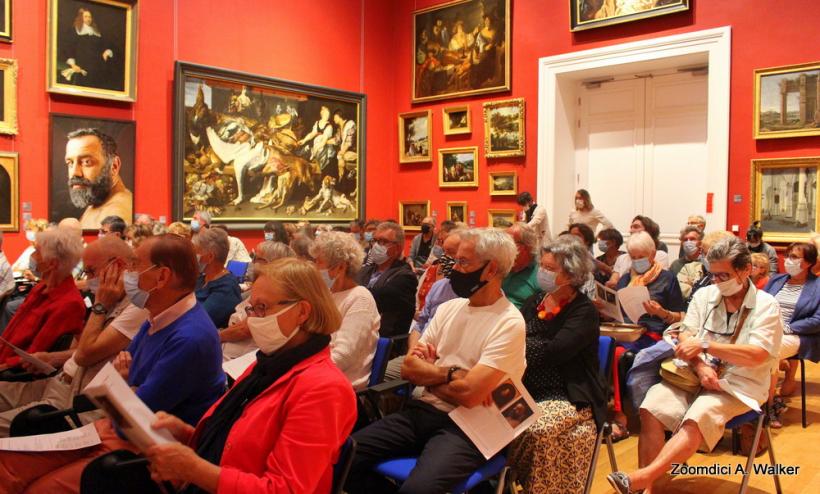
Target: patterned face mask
446,264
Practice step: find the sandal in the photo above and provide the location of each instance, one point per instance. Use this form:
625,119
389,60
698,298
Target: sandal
774,418
620,482
619,431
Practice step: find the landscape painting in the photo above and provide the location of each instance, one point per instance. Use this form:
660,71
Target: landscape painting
414,136
458,167
787,101
504,128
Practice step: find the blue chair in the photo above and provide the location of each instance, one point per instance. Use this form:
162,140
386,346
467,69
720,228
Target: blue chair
342,466
368,401
606,355
383,349
238,269
398,470
762,424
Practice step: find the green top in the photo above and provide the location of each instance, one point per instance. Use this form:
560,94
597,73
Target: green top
520,286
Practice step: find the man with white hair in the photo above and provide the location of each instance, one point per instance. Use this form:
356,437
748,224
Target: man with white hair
471,344
200,219
522,282
6,274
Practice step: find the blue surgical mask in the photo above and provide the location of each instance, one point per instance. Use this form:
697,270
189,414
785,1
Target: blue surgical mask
437,251
269,236
690,247
137,296
641,265
327,279
195,225
546,280
378,254
603,245
357,236
368,236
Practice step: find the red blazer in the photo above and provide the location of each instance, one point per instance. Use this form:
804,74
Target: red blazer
288,437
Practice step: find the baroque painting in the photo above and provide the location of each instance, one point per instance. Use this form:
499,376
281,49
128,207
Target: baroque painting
457,211
412,213
784,198
8,192
415,142
588,14
5,20
92,48
503,184
249,149
456,120
787,101
504,128
461,48
8,96
458,167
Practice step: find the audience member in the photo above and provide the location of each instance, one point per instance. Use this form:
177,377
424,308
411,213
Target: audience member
200,220
274,231
610,241
301,244
6,274
112,225
390,279
339,258
522,282
695,275
180,229
281,425
217,290
562,374
236,249
144,219
137,233
470,345
356,228
423,243
622,264
369,231
21,265
690,242
436,264
731,321
754,238
536,217
585,213
584,233
760,270
696,221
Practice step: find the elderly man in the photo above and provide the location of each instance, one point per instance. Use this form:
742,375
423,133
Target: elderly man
110,327
390,279
472,343
697,221
731,338
522,282
216,288
112,225
94,181
690,247
200,219
423,243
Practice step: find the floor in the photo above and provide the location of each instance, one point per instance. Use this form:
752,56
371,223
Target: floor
793,446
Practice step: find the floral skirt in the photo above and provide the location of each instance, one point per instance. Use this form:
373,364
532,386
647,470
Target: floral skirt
553,455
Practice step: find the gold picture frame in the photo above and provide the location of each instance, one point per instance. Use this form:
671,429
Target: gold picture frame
503,184
504,128
417,147
500,218
784,198
458,167
5,25
583,16
772,88
114,25
9,191
456,120
8,105
457,211
412,213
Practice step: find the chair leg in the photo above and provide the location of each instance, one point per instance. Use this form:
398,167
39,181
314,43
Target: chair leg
750,461
502,480
772,460
613,462
595,451
803,390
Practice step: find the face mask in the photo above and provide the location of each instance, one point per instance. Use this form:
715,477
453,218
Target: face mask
603,245
266,332
546,280
101,235
466,284
195,225
32,266
30,235
357,237
579,204
378,254
269,236
690,247
446,264
793,267
437,251
137,296
425,228
327,279
729,287
754,245
368,236
93,285
641,265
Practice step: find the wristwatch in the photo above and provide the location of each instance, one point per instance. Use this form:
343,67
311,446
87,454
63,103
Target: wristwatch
99,308
704,345
452,370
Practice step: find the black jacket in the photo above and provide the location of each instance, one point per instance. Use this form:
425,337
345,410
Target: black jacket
395,294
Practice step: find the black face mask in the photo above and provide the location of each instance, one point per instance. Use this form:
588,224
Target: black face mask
425,228
466,284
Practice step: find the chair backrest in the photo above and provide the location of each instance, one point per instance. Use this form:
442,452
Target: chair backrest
606,352
342,466
238,269
383,347
118,472
39,419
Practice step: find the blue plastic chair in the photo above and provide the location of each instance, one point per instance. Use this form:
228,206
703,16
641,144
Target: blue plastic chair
606,355
383,347
238,269
762,425
342,466
398,470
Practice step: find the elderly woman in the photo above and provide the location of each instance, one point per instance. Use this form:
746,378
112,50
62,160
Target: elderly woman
54,307
216,289
562,375
280,427
760,270
21,265
730,322
586,213
622,264
236,338
339,259
690,244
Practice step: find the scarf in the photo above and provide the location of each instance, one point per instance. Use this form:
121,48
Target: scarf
648,277
210,442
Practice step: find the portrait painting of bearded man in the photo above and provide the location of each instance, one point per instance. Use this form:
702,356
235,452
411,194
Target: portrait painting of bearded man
92,170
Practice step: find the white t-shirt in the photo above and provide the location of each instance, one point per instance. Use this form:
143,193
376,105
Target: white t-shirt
353,346
624,263
6,276
466,336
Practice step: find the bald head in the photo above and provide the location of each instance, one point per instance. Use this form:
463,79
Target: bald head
72,224
104,251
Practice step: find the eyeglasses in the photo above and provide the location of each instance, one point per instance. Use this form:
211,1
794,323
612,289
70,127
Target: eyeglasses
260,309
721,277
384,242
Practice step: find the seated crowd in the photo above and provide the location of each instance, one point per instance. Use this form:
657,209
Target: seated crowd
466,309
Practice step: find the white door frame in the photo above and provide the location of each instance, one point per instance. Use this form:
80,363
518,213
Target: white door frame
557,111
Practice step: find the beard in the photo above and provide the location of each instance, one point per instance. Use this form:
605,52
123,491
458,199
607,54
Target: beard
95,192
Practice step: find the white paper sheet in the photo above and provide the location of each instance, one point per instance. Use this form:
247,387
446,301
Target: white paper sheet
42,367
611,306
632,299
725,386
84,437
239,365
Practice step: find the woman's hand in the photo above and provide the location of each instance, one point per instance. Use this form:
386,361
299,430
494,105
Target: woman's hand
172,462
122,363
655,309
181,431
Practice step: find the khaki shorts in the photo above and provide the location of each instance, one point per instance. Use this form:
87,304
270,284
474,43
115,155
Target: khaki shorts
789,346
709,410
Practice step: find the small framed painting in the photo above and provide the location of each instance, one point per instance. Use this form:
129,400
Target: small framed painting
500,218
456,120
8,192
412,213
504,128
458,167
5,20
503,184
786,101
415,130
457,211
589,14
8,96
784,198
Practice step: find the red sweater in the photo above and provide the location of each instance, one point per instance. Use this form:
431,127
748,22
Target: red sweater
42,319
288,437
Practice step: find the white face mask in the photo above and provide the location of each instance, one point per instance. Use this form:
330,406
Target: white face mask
329,281
690,247
729,287
579,204
378,254
641,265
266,332
30,235
793,266
603,245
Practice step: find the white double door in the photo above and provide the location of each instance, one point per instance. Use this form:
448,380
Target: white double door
641,148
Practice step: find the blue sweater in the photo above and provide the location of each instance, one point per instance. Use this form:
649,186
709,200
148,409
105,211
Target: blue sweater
178,369
219,298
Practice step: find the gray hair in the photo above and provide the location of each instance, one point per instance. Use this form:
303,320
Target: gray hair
730,249
205,217
215,241
492,244
690,229
390,225
301,246
62,244
573,258
339,247
642,242
107,143
528,236
271,251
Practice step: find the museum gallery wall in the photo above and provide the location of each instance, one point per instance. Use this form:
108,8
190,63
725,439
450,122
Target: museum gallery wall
367,47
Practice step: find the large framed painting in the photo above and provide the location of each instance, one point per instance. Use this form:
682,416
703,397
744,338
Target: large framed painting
784,198
5,20
412,213
9,185
8,96
461,48
504,134
787,101
458,167
457,211
249,149
415,136
91,173
92,48
589,14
